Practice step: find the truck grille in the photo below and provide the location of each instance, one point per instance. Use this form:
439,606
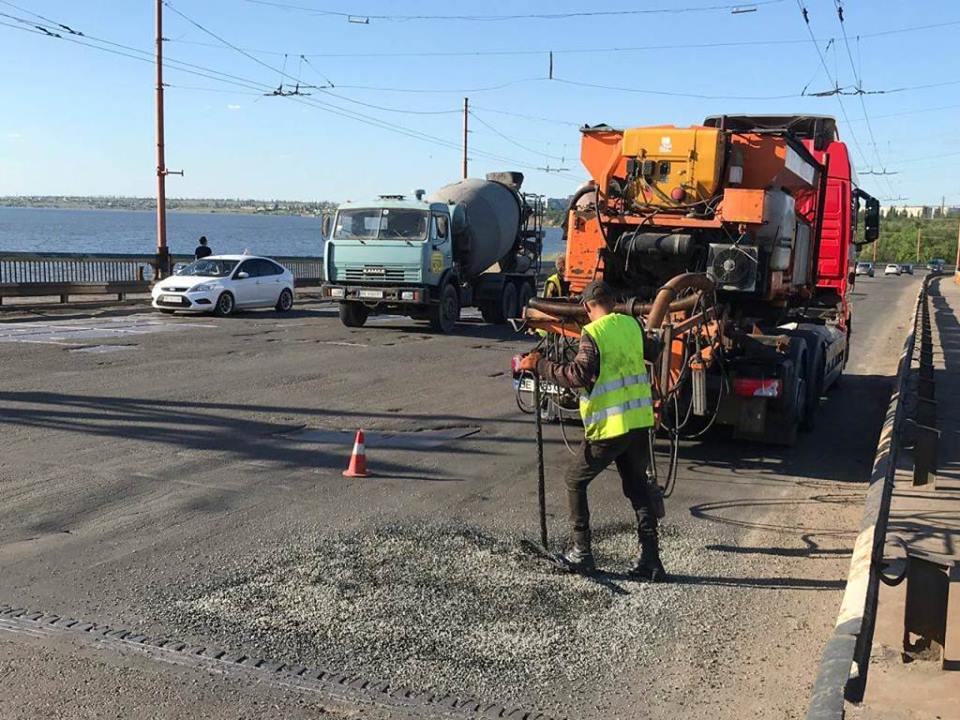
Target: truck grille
380,273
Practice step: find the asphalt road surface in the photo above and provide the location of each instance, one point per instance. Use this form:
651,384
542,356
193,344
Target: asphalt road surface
181,478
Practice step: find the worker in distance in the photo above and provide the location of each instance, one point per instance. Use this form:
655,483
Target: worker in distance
617,411
556,285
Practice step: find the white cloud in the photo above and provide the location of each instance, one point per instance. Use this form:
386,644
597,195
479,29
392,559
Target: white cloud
233,107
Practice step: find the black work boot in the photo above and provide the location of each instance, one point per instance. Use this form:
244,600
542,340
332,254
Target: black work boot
579,558
648,566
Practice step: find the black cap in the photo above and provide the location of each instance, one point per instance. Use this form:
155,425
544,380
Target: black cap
598,290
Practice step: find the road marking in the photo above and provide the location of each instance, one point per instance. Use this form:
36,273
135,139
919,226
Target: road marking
70,332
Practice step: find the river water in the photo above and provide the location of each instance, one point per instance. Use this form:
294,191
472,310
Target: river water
43,230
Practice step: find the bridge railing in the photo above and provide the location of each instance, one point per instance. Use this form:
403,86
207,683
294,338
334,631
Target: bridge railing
845,661
25,274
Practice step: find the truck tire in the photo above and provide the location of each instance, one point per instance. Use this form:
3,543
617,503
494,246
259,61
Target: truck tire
491,313
782,428
816,369
527,291
497,312
445,314
353,314
508,301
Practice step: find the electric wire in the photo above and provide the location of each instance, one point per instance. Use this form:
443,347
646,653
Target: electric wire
247,84
858,77
574,51
518,16
510,140
843,110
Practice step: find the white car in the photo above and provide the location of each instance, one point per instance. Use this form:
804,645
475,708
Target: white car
891,269
223,283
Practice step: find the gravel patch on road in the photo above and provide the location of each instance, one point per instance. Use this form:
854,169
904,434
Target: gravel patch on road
445,608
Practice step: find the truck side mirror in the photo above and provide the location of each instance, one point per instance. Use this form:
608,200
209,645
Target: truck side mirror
325,226
871,220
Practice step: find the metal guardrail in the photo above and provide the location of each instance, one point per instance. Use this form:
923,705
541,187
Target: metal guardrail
64,274
843,667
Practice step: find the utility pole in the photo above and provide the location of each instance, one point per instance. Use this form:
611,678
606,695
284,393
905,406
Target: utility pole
918,245
466,115
163,255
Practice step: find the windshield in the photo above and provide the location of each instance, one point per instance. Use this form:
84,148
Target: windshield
864,266
209,268
382,224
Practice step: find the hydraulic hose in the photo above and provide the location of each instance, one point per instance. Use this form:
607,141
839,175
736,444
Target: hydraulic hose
665,298
566,310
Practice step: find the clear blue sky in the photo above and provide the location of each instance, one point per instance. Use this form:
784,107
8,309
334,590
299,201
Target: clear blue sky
77,120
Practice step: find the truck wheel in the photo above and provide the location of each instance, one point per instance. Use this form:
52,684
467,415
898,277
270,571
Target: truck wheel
814,390
526,293
491,313
508,301
445,314
353,314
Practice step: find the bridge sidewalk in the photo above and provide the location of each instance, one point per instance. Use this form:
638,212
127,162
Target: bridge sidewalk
926,518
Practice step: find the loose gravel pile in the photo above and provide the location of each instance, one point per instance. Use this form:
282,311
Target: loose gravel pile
445,608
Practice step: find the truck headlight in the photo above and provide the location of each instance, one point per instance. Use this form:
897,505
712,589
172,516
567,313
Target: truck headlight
337,292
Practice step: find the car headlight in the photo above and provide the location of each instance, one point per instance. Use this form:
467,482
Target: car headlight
205,287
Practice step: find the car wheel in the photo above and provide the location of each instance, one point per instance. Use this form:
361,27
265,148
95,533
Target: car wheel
446,313
285,301
353,314
225,305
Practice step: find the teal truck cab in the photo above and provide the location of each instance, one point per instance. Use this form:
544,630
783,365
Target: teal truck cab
472,243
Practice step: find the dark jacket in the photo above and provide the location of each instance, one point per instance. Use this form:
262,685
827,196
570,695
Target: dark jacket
584,369
202,251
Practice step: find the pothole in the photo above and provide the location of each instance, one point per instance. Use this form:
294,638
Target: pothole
454,608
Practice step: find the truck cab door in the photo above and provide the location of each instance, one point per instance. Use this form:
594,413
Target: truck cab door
440,247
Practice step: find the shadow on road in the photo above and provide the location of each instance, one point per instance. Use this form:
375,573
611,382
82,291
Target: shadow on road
221,427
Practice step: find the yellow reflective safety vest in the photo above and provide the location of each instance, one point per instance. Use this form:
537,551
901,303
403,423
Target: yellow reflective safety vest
621,399
553,287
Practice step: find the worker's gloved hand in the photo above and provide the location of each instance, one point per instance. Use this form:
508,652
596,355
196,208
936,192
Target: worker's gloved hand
529,362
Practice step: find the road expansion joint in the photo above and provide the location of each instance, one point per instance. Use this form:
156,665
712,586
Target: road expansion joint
340,686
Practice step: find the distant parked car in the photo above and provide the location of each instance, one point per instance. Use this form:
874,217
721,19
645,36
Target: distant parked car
891,269
222,284
935,266
906,268
865,268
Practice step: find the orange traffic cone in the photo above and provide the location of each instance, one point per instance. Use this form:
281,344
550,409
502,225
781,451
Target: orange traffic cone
358,459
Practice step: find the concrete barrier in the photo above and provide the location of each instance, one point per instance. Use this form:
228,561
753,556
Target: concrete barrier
843,667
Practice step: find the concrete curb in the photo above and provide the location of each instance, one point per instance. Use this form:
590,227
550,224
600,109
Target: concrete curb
843,667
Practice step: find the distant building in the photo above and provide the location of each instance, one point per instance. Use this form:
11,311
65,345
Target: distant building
911,211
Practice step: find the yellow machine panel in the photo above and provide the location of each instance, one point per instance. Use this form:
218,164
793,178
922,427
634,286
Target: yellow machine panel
674,166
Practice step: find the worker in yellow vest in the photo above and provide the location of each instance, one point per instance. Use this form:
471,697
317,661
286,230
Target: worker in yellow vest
555,285
617,410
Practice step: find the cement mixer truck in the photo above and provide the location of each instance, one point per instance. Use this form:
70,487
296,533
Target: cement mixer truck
472,243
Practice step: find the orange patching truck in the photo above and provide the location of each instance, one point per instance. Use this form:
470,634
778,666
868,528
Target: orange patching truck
731,240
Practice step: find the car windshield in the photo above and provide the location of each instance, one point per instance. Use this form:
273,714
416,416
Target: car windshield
209,268
382,224
864,266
